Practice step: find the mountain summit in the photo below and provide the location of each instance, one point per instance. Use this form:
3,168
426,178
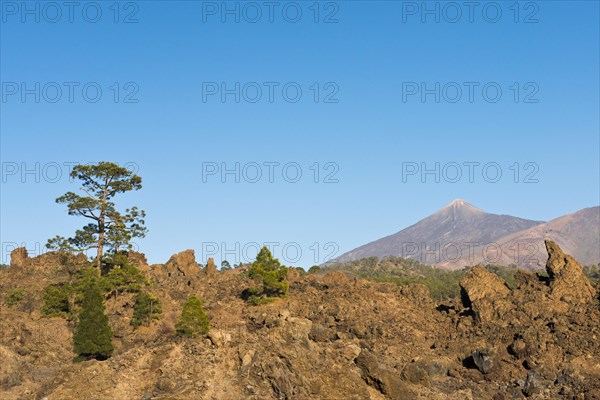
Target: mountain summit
457,230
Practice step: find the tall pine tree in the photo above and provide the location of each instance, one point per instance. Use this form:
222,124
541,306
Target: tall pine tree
92,338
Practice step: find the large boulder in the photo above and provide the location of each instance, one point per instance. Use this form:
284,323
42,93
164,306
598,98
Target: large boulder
181,270
381,377
183,264
567,280
486,294
19,257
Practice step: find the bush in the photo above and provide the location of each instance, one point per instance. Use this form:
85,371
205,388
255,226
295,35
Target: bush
258,301
13,297
145,309
92,337
272,275
56,301
193,321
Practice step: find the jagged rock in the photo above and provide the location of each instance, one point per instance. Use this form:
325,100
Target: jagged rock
350,352
320,333
19,257
219,338
532,384
482,284
381,377
567,280
211,268
184,262
519,348
483,361
415,374
485,293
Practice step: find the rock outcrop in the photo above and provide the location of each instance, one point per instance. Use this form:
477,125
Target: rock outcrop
18,257
183,263
567,280
486,294
211,268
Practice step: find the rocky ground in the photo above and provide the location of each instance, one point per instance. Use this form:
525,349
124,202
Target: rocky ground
333,337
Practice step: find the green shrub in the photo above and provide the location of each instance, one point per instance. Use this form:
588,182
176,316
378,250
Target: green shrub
145,309
258,301
270,273
193,321
56,301
13,297
93,336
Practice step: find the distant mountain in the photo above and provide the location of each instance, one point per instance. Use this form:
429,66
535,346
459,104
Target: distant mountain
578,234
445,238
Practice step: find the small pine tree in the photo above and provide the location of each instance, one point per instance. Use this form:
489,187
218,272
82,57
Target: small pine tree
125,278
56,301
145,309
14,296
92,338
272,276
193,321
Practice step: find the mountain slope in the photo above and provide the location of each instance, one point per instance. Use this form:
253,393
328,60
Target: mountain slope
453,232
578,234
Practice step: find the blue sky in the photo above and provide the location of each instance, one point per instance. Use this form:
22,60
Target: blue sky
368,125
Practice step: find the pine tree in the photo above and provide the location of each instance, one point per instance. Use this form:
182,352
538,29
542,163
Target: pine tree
272,276
109,229
193,321
92,338
145,309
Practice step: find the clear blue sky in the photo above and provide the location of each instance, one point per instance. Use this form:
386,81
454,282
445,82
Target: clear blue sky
371,61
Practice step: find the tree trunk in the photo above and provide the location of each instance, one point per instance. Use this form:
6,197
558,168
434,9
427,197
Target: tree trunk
100,249
101,228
